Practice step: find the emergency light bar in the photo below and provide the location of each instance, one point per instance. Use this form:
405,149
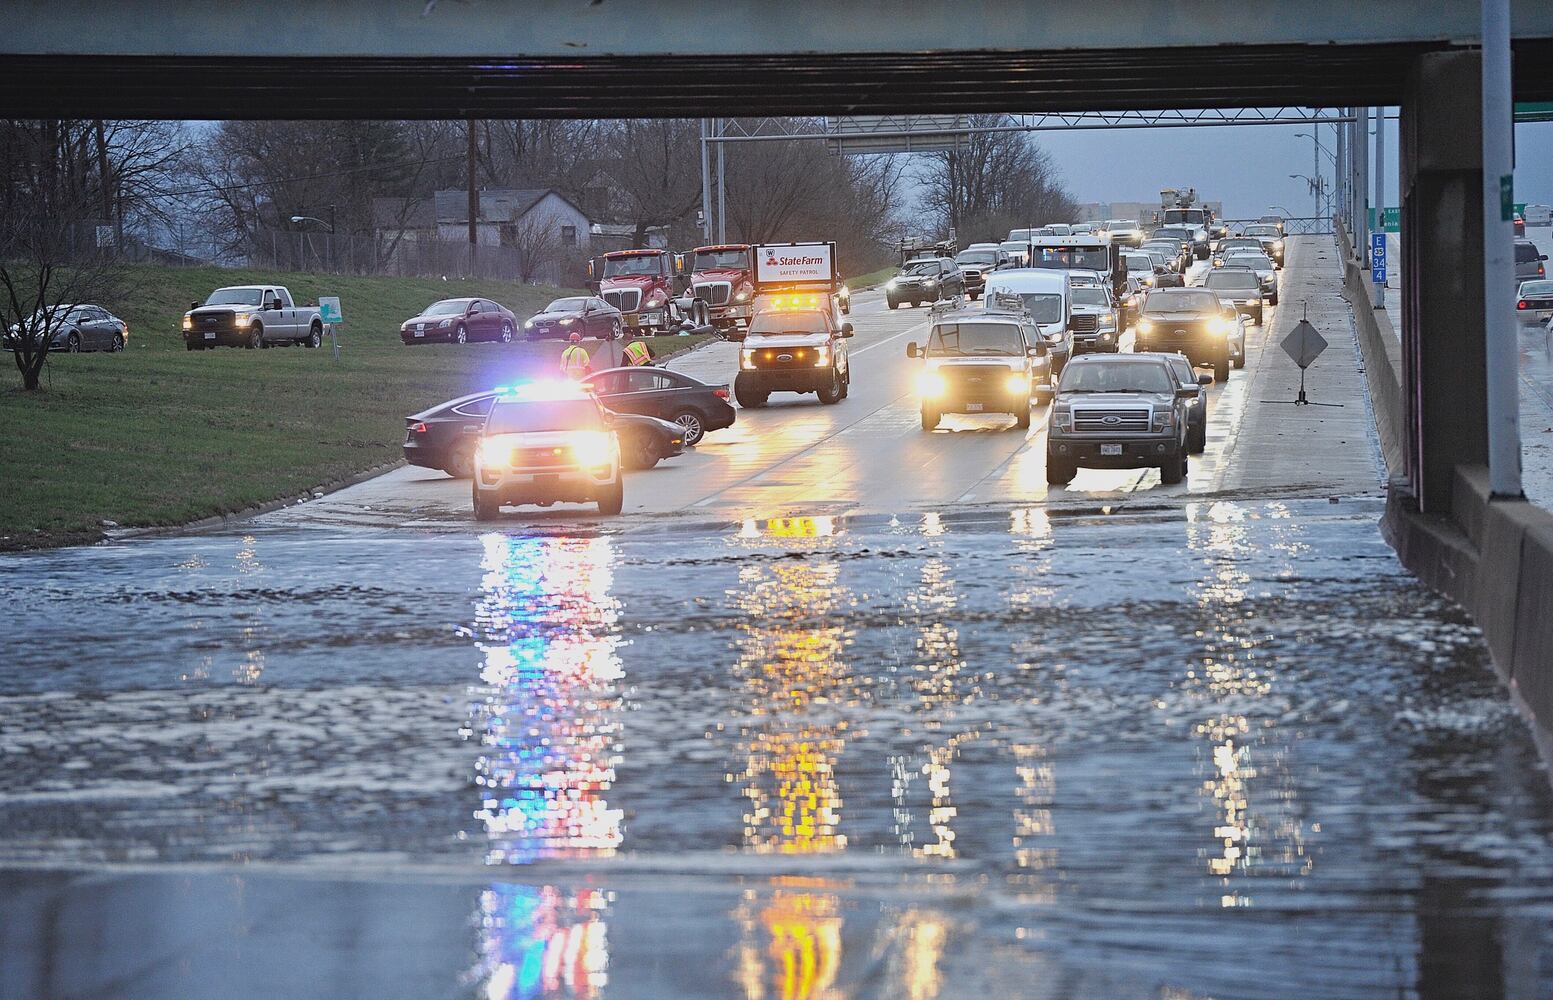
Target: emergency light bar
540,392
788,303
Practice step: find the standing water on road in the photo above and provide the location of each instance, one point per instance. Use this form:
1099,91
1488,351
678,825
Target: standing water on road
1226,749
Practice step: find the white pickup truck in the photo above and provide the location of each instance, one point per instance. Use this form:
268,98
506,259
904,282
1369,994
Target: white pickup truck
251,316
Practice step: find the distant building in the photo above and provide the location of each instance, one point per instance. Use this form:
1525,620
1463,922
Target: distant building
540,222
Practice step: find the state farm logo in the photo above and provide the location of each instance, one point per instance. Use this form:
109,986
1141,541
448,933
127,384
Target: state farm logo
771,260
774,260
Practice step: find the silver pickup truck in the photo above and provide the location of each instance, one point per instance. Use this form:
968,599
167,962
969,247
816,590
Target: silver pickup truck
251,316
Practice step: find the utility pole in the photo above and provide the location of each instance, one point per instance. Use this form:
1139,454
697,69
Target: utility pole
706,184
1380,187
474,201
722,190
1501,350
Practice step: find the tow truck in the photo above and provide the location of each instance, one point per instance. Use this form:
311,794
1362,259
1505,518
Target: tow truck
648,286
796,340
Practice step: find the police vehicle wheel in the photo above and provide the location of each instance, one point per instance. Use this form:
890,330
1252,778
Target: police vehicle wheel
1259,317
1058,472
461,335
485,510
613,498
1273,299
690,422
930,419
1221,370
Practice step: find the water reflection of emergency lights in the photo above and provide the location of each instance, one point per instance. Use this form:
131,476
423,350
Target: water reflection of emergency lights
788,527
545,716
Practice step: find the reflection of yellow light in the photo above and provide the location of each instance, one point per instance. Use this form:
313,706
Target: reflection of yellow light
802,953
800,527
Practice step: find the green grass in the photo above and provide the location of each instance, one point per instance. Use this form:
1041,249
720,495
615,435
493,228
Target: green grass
159,435
872,279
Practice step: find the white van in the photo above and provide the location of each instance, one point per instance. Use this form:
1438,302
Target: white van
1538,215
1049,297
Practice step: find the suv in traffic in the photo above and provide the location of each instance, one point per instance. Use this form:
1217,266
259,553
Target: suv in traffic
1191,321
924,279
1119,412
988,360
544,444
975,264
1240,286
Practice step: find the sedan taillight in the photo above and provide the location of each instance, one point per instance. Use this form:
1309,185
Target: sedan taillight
419,428
1522,304
721,392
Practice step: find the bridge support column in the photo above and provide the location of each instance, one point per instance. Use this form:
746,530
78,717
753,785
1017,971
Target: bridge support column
1444,358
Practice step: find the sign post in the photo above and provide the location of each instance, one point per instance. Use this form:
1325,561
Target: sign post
329,312
1304,345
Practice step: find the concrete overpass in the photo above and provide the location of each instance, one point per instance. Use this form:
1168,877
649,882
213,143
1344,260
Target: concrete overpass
564,58
440,58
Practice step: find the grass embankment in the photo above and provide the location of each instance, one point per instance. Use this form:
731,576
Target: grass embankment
159,435
873,279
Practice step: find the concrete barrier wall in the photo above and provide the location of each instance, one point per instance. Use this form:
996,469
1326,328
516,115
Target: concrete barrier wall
1493,556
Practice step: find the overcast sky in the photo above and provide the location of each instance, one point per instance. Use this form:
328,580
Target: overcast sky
1245,167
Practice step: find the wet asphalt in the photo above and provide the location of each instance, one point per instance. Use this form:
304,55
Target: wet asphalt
1205,749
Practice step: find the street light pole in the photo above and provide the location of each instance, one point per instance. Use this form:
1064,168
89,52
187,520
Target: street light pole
1502,350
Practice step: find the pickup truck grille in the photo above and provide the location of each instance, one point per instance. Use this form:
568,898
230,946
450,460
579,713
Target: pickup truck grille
214,322
714,293
1085,323
769,358
1178,332
540,458
1129,421
627,300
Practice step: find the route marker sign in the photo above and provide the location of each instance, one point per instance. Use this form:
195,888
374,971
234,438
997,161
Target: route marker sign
1304,345
1378,258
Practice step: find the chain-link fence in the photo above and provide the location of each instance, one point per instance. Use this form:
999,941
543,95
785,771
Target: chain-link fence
1300,225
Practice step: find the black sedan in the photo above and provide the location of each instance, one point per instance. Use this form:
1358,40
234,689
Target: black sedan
698,408
444,437
587,315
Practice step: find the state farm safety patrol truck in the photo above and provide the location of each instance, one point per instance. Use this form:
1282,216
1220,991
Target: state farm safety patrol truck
797,339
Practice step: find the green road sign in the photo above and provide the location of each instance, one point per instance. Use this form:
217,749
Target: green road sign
1533,112
1391,219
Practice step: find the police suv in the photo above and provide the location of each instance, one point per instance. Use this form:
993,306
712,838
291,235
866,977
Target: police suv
545,443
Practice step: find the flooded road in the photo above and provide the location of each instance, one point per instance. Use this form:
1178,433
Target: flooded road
1212,749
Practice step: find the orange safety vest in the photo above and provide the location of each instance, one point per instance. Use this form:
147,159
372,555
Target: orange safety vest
575,361
636,353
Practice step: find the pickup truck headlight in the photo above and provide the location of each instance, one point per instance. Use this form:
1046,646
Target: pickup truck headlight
1145,326
1164,420
1062,418
747,358
1054,338
243,319
822,357
892,283
1017,383
931,385
188,323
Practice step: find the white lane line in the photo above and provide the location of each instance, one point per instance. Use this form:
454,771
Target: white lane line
881,343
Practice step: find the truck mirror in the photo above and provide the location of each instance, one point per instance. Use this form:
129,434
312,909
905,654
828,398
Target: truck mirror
194,305
846,329
912,350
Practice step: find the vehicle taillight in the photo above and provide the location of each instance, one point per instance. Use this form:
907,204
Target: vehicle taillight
721,392
420,428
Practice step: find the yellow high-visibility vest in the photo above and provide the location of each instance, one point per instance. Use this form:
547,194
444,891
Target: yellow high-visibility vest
575,361
636,353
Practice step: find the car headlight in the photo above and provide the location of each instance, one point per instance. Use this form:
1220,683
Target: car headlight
446,322
931,385
1054,338
568,321
1017,383
1164,420
892,283
1108,317
591,448
243,319
747,358
1256,302
188,323
1223,326
1145,326
822,357
1277,244
528,324
494,453
930,282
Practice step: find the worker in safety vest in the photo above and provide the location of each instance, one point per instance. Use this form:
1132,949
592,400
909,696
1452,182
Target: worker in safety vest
575,363
638,353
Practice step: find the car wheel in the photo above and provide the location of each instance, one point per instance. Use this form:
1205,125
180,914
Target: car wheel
1173,471
1273,300
73,343
117,344
1259,317
1197,438
190,347
461,335
506,332
1022,417
690,422
638,456
255,337
749,398
930,419
1059,472
485,510
891,302
1221,370
831,394
613,498
315,336
461,464
614,329
1240,360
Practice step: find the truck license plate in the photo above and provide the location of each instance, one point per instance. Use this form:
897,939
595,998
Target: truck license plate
973,407
210,336
1110,449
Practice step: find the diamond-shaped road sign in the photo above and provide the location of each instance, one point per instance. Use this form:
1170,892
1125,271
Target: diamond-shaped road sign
1303,344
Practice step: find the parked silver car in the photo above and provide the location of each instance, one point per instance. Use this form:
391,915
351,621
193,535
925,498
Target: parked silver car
76,328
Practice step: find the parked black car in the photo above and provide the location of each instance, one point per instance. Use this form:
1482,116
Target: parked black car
696,407
444,437
587,315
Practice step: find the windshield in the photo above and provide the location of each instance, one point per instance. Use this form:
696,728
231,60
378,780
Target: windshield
1233,280
1240,243
1259,261
708,260
803,322
1138,262
1087,258
1116,224
1058,229
447,307
1538,288
566,306
1179,235
953,340
1183,300
1124,376
1044,307
1090,297
235,297
916,267
647,263
556,415
977,257
1261,230
1192,215
1019,235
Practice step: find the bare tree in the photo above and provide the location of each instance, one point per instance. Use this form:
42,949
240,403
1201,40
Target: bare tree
995,181
656,166
538,243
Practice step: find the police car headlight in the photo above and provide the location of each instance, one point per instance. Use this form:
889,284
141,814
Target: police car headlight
591,448
494,453
931,385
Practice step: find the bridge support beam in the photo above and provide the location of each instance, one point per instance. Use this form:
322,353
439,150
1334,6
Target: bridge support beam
1444,359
